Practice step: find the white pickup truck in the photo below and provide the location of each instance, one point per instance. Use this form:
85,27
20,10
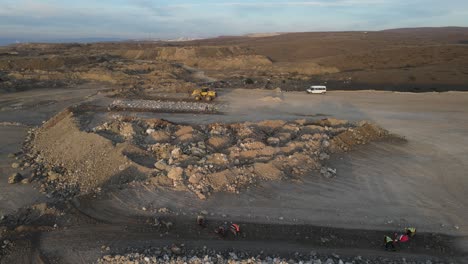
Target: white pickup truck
317,89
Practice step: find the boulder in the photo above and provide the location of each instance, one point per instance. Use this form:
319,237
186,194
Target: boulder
176,174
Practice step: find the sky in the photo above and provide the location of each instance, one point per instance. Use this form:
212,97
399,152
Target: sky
166,19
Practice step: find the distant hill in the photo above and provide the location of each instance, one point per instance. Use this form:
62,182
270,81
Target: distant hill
8,41
429,30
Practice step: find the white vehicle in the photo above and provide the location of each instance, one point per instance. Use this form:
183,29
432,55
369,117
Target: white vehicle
317,89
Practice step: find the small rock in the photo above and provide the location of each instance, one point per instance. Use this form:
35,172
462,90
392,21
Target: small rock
233,256
163,210
161,165
325,143
53,176
15,165
25,181
15,178
176,250
198,152
324,156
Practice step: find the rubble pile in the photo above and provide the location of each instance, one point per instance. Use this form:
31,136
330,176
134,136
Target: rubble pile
164,106
179,254
228,157
202,159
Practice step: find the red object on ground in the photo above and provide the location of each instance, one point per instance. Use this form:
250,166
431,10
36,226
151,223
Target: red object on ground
403,238
236,227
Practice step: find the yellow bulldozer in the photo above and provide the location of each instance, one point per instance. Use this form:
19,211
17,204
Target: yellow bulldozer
204,93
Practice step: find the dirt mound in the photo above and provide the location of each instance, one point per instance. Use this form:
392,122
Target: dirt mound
271,99
77,159
363,134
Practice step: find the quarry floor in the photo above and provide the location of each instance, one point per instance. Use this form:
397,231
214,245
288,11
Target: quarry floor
381,186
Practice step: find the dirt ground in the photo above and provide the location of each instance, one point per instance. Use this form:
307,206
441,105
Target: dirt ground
379,188
384,185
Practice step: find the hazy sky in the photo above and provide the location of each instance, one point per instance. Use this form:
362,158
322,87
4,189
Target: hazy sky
49,19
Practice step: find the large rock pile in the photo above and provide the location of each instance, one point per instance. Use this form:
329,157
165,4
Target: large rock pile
202,159
228,157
